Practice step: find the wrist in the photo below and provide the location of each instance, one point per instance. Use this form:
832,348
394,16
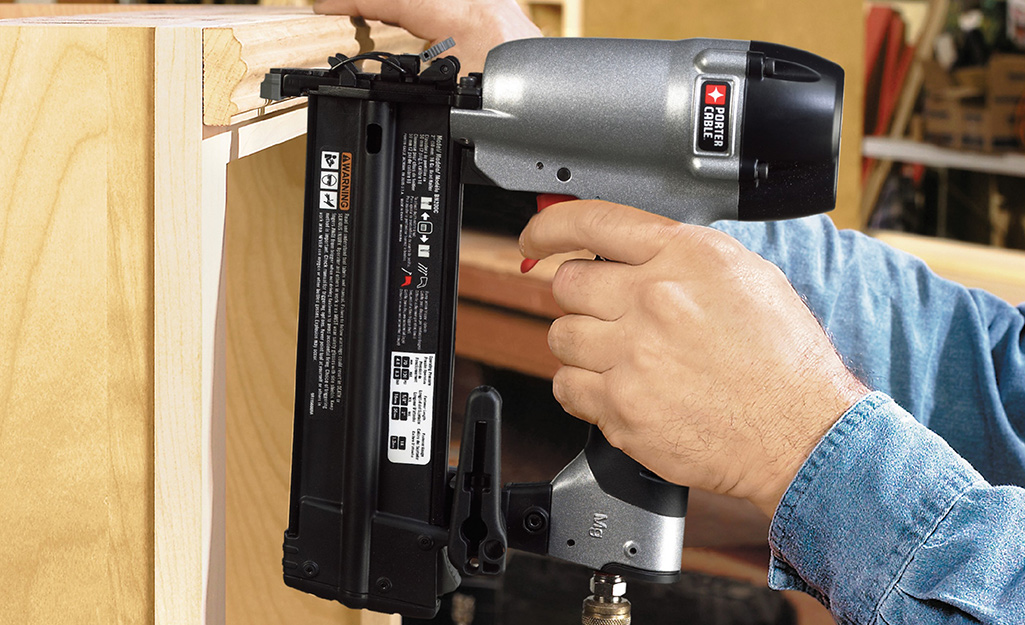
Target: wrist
820,410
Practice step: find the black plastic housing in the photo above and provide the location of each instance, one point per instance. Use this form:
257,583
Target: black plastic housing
790,139
626,479
373,535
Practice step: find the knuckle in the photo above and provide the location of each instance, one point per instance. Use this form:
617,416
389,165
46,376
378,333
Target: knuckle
719,245
620,399
567,273
616,436
562,389
599,218
557,336
661,300
670,232
711,244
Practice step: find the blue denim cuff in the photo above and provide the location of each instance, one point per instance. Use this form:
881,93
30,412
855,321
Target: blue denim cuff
871,492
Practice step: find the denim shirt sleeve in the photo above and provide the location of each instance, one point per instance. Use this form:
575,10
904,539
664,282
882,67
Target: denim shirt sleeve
885,523
893,518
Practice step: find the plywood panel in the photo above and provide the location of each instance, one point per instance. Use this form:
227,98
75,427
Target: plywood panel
129,252
75,390
832,29
264,230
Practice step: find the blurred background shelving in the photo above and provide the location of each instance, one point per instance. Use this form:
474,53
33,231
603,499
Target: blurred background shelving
945,120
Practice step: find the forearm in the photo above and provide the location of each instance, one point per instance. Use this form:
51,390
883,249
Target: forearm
952,357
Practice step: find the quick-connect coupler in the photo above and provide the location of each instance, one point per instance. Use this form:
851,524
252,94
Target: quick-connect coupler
607,604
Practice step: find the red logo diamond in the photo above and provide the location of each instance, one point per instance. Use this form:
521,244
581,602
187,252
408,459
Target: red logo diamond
715,94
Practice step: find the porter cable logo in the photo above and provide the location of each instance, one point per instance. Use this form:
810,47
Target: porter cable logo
714,117
345,182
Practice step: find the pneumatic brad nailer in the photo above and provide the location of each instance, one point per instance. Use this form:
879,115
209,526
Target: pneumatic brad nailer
696,130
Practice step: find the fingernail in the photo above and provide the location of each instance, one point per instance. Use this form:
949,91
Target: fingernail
527,265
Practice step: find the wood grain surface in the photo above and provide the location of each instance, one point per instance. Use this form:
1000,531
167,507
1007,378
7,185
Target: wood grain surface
76,365
237,56
182,466
16,10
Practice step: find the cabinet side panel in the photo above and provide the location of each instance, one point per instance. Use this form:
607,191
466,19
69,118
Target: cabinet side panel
130,312
75,415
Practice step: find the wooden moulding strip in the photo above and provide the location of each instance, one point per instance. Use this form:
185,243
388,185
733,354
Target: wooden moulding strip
236,57
999,271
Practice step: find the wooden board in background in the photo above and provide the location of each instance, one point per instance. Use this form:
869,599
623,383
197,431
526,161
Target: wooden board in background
999,271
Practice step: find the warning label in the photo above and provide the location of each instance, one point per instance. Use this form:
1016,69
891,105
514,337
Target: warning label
335,180
329,284
411,408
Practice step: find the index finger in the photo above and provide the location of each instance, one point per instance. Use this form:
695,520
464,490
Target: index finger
612,231
424,24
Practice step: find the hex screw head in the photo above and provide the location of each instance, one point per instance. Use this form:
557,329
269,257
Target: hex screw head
534,521
310,568
425,542
607,587
383,584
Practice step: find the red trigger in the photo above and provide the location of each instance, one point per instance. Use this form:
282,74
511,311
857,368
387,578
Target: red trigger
544,200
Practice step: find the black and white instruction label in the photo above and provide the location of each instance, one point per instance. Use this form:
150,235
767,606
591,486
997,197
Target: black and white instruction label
417,258
411,408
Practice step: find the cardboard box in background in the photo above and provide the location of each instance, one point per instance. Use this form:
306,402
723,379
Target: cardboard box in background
974,108
1005,88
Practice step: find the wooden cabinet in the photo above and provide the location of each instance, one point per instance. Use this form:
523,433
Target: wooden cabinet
137,161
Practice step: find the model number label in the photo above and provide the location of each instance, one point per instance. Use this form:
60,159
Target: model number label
599,524
713,124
